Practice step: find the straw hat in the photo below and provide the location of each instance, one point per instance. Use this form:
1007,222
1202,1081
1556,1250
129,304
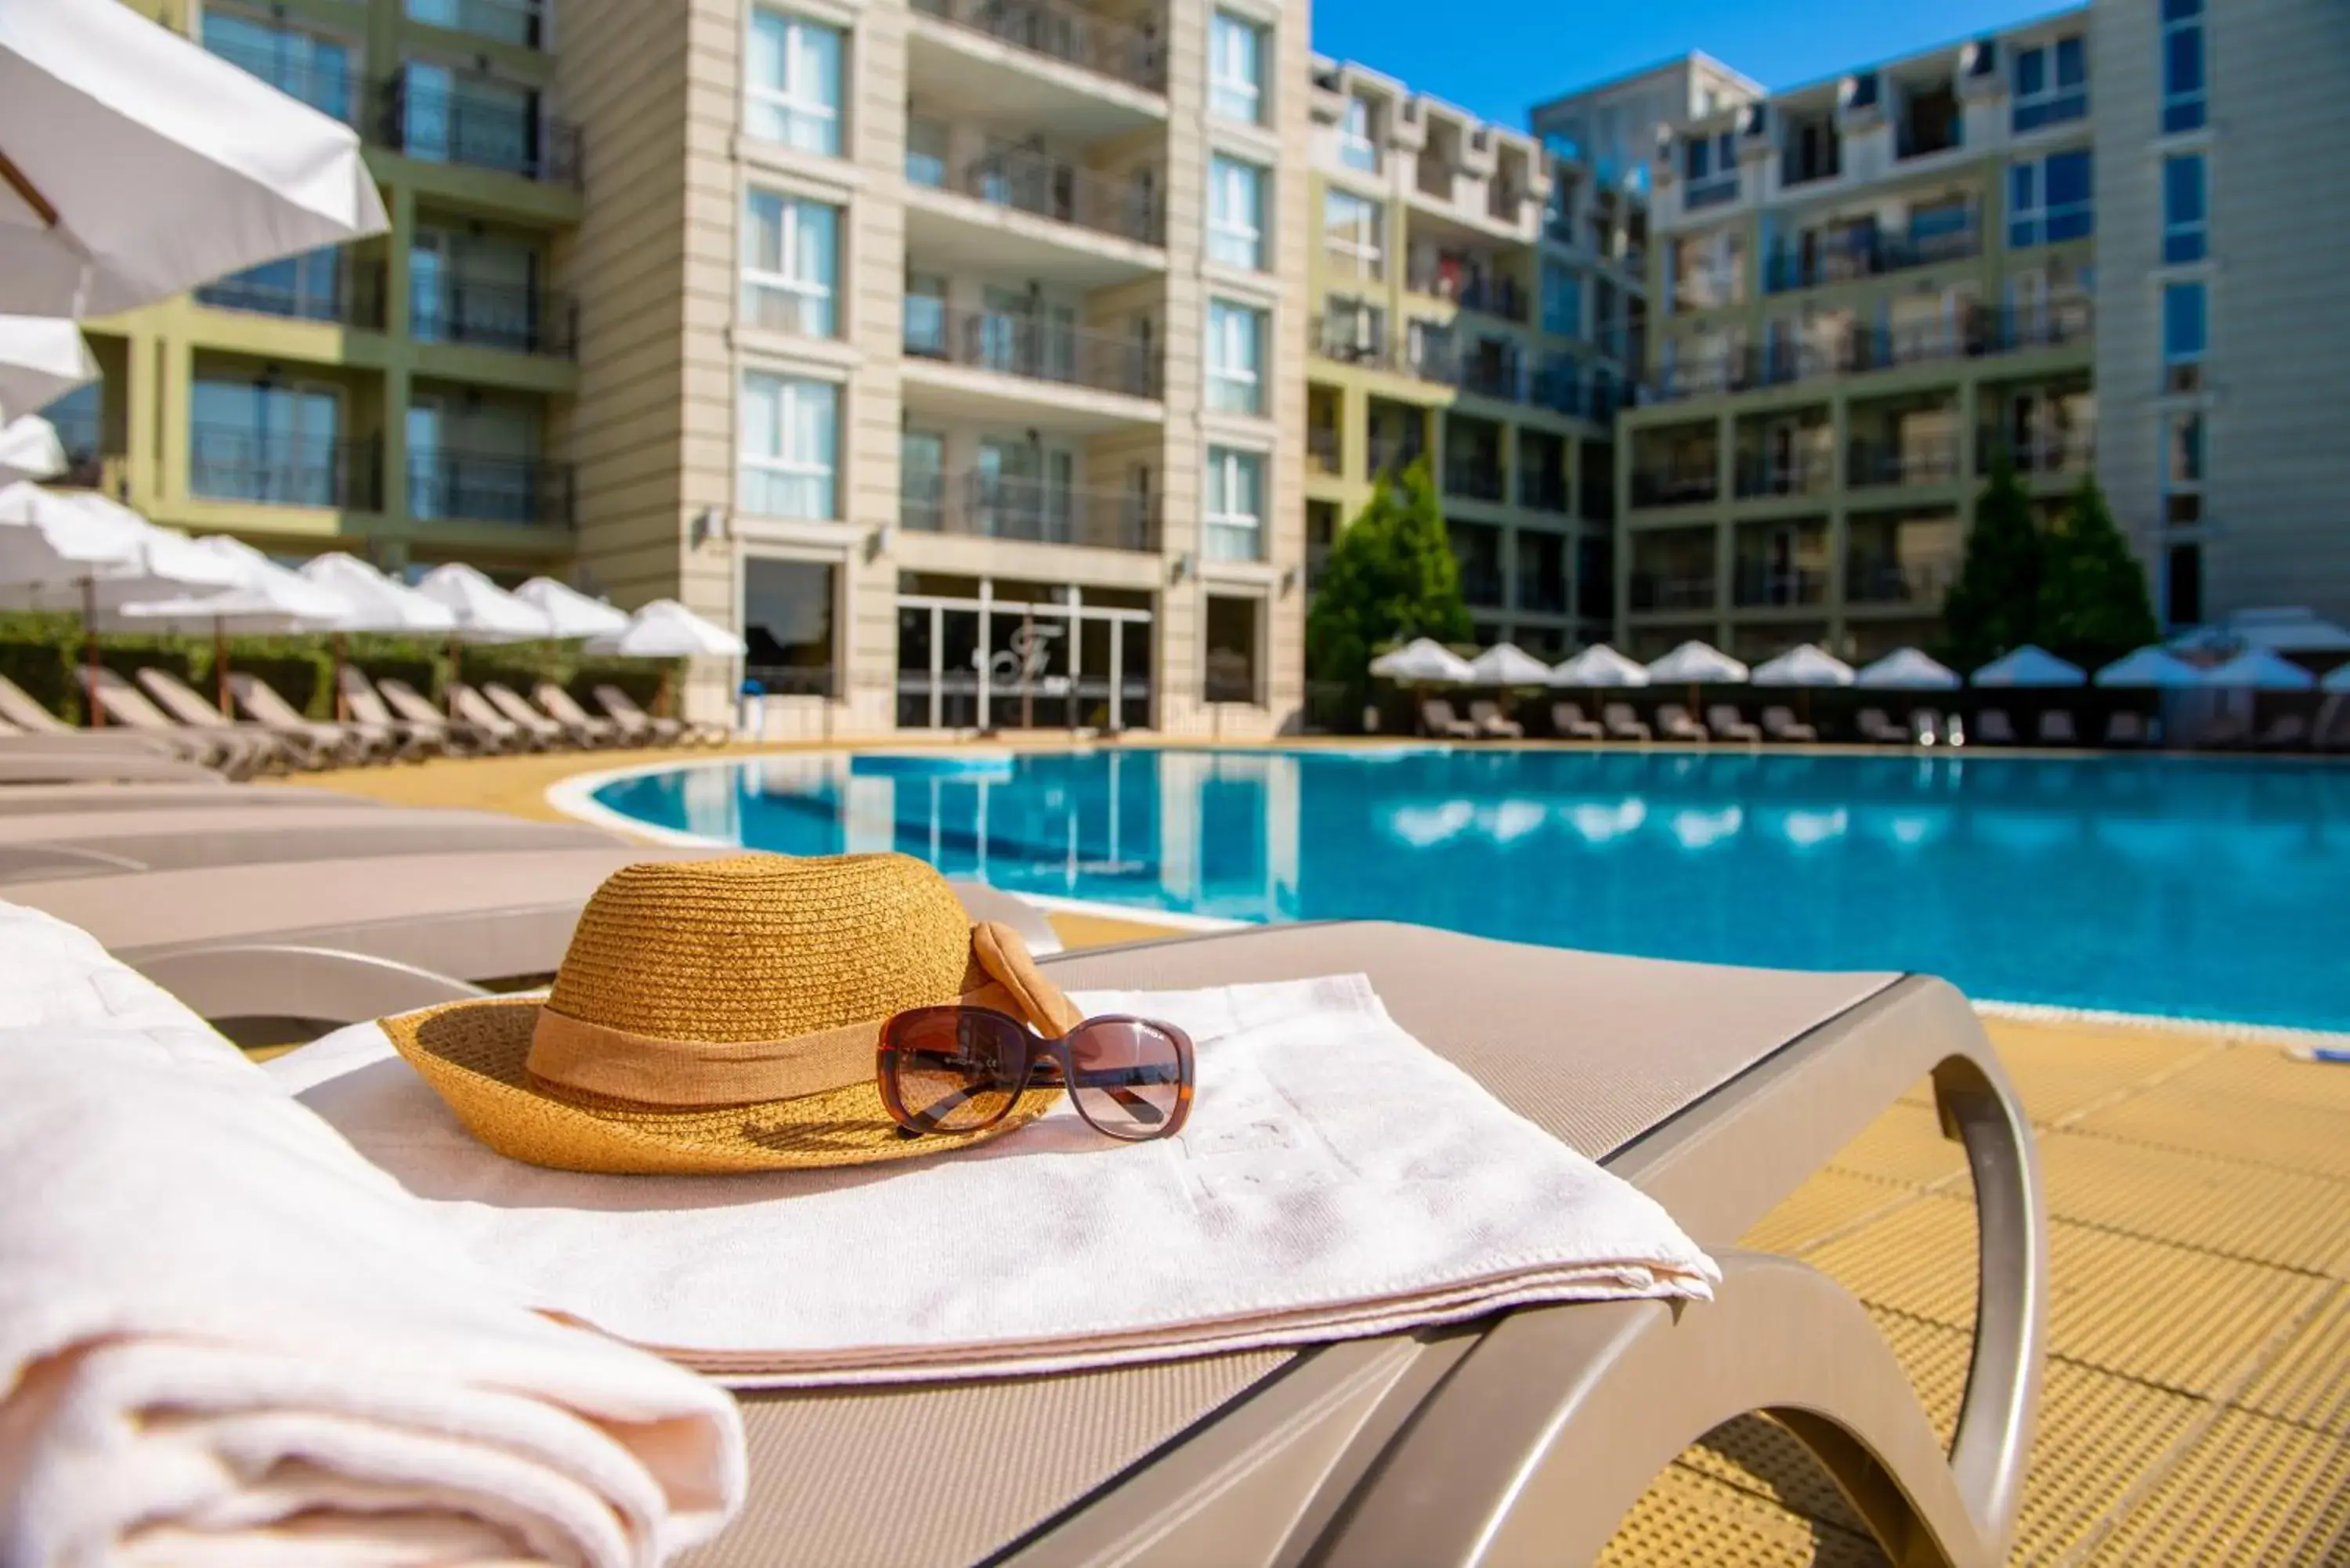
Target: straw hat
724,1015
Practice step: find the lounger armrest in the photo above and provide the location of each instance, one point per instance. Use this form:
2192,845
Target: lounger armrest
322,984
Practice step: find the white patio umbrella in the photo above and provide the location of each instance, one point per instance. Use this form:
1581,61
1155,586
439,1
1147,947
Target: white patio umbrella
2151,667
2336,680
1422,662
270,598
2290,629
140,166
572,614
2029,667
1698,664
1600,665
666,630
1507,664
2258,670
1807,665
372,602
42,357
1906,669
484,611
29,449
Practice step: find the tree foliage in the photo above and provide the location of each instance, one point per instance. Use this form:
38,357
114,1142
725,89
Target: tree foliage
1995,604
1391,576
2093,604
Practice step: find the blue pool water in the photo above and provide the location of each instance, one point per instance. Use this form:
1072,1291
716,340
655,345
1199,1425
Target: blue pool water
2211,888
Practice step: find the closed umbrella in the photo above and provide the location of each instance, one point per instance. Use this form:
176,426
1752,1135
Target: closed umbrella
372,602
2029,667
2259,669
42,357
2150,668
666,630
139,166
29,449
1906,669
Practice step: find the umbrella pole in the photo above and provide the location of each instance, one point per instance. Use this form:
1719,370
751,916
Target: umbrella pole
342,705
220,664
96,713
452,675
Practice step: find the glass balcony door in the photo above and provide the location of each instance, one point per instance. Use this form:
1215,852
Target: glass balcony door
276,443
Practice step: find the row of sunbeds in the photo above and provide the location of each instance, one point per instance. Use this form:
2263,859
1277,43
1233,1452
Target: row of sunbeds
1723,722
1718,1091
157,724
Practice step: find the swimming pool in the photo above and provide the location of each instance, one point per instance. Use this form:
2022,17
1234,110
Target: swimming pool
2195,887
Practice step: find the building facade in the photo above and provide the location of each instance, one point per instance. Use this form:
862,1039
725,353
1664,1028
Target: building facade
402,398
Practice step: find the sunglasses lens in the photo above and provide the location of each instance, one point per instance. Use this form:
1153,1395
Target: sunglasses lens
1129,1076
957,1069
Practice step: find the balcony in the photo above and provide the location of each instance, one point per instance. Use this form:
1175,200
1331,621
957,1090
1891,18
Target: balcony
2045,457
1542,593
1065,33
350,294
1499,297
1394,452
1974,333
297,73
1479,375
1476,476
1028,348
1868,254
1481,585
1758,586
479,125
1675,486
493,316
1322,449
490,488
1672,591
80,423
1352,340
1022,180
1712,191
1873,580
235,463
1542,491
518,21
1761,477
991,506
1924,459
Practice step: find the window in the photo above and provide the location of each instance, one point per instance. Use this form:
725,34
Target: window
791,446
2182,470
1356,150
300,65
1235,512
2183,220
264,441
1230,669
1712,165
1235,358
2182,588
2050,199
309,287
1562,300
2184,329
1235,213
506,21
794,82
1236,69
1354,331
1352,231
2052,85
787,622
926,152
2182,66
791,265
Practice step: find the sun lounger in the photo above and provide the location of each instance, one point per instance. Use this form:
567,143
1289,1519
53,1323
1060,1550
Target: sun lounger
54,845
622,710
288,748
511,734
31,762
1516,1439
1993,728
2286,732
21,717
2125,728
205,791
2057,728
1727,724
1490,724
352,738
550,731
1874,726
1567,723
1779,724
1674,723
1925,727
556,703
1437,719
403,704
1622,723
238,752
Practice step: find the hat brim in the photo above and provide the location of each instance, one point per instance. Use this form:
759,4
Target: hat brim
474,1054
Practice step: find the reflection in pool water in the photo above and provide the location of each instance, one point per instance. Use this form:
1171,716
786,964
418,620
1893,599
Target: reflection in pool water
2198,888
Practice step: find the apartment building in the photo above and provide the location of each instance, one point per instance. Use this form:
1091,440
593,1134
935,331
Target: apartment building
953,350
1611,127
2222,313
401,398
1863,291
1472,297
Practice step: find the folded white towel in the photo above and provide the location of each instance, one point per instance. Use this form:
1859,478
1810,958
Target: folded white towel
226,1338
1337,1179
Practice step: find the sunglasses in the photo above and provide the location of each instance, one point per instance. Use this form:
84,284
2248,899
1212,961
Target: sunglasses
957,1069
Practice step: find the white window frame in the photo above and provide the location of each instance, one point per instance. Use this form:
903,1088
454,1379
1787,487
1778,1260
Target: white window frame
1248,233
789,283
1367,245
2200,98
1227,89
782,101
1224,463
1232,325
2200,228
1359,146
2052,92
791,465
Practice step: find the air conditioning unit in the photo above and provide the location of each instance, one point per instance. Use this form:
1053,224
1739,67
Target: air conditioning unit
1754,122
1980,58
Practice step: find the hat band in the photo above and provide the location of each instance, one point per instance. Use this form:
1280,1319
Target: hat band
644,1068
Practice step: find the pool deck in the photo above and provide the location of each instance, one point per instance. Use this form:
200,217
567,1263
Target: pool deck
2198,1400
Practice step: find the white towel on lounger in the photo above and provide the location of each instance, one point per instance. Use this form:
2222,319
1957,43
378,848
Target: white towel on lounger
226,1338
1337,1179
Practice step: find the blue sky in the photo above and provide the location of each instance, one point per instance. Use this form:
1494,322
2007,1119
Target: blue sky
1499,57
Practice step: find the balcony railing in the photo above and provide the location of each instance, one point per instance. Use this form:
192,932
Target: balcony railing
1034,351
1675,486
1482,585
1671,590
1873,580
1868,255
2043,456
1028,182
1758,586
991,506
1395,453
1761,476
493,316
486,488
1923,460
1351,341
1542,490
1476,477
1713,191
477,125
352,294
1543,592
235,463
80,424
1499,297
331,90
1970,334
1322,448
519,22
1065,33
1497,379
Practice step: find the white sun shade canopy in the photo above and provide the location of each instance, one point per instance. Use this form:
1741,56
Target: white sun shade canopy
573,614
2153,667
1698,663
145,166
2259,669
484,611
667,629
1600,665
29,449
1507,664
1423,662
42,357
2028,666
1807,665
1906,669
373,602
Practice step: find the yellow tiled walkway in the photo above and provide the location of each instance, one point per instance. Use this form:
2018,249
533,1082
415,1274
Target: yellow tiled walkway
2197,1407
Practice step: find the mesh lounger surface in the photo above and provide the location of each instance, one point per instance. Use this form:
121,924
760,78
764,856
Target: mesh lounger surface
1524,1438
55,846
42,760
207,791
